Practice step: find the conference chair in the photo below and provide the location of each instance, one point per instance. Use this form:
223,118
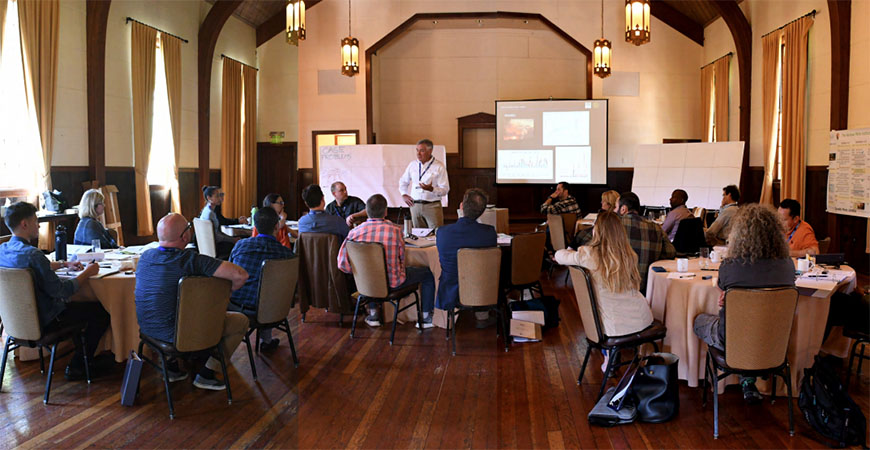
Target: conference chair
824,245
757,328
700,213
204,231
369,265
689,237
558,239
5,238
478,288
587,303
21,320
321,283
199,324
274,295
861,338
527,255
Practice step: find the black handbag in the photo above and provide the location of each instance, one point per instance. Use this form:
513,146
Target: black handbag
656,388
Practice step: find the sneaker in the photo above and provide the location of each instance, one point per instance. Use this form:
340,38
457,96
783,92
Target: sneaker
751,394
176,374
212,384
373,321
427,323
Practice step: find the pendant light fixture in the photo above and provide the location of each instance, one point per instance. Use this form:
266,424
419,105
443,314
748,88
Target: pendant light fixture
637,21
295,24
349,51
601,52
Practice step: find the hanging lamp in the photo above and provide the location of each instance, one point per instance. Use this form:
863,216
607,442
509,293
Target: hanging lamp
637,21
295,24
601,52
349,51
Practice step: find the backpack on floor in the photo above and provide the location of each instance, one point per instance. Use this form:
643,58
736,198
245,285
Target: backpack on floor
829,409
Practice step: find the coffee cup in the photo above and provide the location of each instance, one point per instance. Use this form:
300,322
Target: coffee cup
803,265
682,265
714,257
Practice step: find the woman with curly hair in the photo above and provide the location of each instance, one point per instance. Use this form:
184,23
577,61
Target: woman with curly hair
757,258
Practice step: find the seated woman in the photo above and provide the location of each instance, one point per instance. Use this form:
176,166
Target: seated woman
757,258
608,201
89,229
613,266
214,197
275,202
581,231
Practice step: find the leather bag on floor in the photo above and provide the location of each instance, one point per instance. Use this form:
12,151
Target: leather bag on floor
656,388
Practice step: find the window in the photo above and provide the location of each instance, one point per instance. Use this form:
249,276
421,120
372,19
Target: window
20,148
328,138
161,163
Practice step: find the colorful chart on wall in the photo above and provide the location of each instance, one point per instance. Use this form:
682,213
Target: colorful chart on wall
370,169
700,169
849,173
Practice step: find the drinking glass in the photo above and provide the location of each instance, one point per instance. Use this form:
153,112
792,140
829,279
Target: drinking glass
95,246
705,257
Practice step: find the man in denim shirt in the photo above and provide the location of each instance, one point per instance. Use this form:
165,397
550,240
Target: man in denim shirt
53,295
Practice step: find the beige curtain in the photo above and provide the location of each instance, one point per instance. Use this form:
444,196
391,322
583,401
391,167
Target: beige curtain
722,68
248,179
171,47
794,91
707,100
770,45
231,138
142,68
39,22
3,4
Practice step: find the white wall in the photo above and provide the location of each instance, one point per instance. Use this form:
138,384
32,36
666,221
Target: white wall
71,105
717,43
859,75
279,89
669,93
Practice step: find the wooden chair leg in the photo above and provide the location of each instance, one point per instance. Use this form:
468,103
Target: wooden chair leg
585,360
395,319
250,354
166,384
355,315
3,364
290,341
787,380
222,359
50,372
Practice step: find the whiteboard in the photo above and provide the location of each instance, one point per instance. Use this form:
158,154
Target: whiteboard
370,169
849,173
701,169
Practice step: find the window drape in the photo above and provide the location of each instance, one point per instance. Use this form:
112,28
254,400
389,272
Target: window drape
707,101
142,67
231,138
3,4
770,45
248,186
171,47
721,69
794,87
39,23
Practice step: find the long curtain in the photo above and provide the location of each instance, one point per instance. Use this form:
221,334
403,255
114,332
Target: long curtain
248,185
794,121
707,100
171,47
231,137
142,68
3,4
39,22
722,68
770,66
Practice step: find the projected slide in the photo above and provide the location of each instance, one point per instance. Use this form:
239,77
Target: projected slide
548,141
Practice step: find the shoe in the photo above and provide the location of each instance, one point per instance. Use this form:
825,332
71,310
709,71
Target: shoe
212,384
427,323
751,394
488,322
269,346
175,373
373,321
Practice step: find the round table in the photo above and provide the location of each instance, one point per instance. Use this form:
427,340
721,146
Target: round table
676,302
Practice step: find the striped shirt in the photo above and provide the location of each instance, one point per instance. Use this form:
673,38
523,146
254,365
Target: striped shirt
384,232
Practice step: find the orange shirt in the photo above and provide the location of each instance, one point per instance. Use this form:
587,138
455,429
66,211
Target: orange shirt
283,237
801,237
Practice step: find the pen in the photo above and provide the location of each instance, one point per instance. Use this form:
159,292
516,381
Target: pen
711,270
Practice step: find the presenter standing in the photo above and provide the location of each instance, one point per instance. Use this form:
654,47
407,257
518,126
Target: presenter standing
423,185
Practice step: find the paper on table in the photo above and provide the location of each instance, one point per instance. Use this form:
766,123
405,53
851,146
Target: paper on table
504,239
421,232
813,283
680,276
104,272
420,242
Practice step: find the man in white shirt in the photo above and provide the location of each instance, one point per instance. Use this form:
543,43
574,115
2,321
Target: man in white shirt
423,185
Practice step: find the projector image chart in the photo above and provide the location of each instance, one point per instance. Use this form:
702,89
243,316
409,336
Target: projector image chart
548,141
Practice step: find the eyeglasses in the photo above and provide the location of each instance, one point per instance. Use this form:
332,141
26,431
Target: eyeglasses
280,203
189,226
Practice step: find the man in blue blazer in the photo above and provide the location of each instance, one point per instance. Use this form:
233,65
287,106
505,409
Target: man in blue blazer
465,233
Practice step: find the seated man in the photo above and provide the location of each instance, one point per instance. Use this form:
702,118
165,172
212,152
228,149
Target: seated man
249,254
799,234
560,201
54,297
717,234
378,229
318,220
645,236
351,209
678,212
160,269
465,233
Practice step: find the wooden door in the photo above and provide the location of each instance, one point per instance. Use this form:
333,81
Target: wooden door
276,172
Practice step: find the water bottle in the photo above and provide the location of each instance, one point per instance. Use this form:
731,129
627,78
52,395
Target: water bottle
253,211
408,225
60,243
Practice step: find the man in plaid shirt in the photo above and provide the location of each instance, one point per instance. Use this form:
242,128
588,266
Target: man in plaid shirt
647,238
378,229
249,254
561,201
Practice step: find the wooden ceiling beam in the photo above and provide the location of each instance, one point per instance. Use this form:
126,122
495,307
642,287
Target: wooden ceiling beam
677,20
276,24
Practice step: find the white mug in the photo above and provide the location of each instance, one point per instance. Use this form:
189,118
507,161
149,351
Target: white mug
714,257
803,265
682,265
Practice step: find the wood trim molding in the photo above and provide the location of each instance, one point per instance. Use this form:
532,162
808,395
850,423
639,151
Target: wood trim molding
677,20
96,19
276,24
406,25
479,120
208,34
841,33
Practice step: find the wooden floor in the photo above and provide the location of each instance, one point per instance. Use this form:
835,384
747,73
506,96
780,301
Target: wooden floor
363,393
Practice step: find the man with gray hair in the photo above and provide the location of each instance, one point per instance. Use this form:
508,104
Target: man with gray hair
380,230
465,233
423,185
